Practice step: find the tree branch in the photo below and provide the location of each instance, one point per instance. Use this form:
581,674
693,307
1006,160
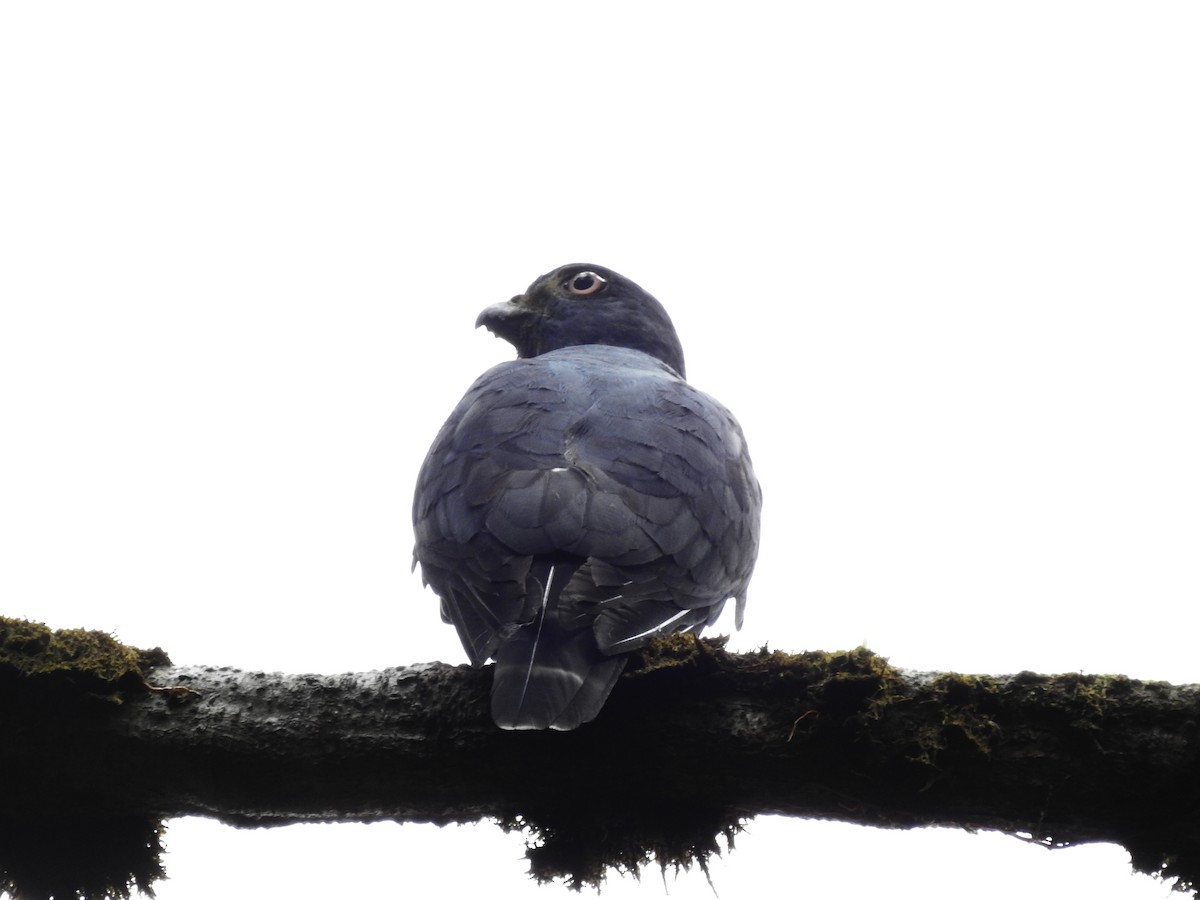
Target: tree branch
693,741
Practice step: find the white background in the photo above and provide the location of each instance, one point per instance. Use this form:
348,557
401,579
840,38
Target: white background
939,258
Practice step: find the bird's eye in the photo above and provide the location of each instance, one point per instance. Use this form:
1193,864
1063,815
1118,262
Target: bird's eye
585,283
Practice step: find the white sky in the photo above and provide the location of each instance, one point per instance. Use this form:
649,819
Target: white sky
939,258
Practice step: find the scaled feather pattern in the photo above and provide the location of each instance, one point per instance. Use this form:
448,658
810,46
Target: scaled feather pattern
582,499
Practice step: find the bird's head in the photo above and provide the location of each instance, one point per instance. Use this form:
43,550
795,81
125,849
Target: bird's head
584,304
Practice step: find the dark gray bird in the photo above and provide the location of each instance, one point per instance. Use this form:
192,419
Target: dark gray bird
582,499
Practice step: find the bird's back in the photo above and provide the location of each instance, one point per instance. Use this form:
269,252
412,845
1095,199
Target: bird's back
573,506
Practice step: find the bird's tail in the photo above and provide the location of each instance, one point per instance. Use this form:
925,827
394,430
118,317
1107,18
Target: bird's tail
549,675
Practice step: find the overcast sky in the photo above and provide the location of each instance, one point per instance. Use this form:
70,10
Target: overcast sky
939,258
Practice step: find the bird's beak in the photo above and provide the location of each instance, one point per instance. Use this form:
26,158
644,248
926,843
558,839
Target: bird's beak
496,315
512,321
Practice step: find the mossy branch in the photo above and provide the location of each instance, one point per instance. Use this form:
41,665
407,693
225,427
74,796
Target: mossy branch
101,743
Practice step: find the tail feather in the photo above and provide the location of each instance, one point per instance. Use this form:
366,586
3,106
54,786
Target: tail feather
549,677
550,673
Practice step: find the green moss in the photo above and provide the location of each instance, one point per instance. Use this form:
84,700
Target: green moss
50,682
814,667
31,650
967,703
1096,694
677,650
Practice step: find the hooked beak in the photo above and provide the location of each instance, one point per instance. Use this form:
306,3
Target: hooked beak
512,320
497,314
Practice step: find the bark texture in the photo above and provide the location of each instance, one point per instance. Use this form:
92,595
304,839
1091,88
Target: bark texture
692,742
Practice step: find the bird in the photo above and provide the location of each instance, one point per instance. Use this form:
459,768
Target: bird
582,499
